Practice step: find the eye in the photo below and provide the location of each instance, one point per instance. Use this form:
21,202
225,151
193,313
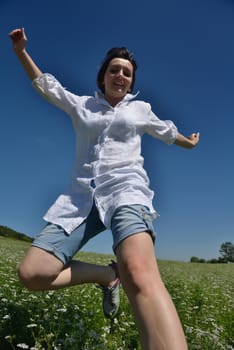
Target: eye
117,69
114,70
127,74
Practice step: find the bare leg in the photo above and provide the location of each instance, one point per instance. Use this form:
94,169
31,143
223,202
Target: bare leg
155,314
40,270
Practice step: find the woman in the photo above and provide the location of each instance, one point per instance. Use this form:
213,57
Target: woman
110,189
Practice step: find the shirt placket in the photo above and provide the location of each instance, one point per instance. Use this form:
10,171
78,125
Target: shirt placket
110,116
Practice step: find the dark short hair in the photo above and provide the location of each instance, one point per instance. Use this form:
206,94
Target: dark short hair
115,52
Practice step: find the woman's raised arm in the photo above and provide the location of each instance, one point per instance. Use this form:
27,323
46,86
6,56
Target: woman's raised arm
19,40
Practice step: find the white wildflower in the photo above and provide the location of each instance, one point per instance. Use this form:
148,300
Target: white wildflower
6,317
22,346
32,325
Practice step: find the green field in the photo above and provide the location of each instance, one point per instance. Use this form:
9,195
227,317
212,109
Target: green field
72,318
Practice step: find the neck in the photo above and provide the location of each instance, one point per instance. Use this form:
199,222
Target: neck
113,101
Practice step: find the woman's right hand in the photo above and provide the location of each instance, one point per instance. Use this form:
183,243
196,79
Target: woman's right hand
19,39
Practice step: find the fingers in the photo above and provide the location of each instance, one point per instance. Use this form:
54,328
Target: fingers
195,136
14,33
17,34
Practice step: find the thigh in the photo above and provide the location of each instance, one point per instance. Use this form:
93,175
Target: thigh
39,262
137,262
137,251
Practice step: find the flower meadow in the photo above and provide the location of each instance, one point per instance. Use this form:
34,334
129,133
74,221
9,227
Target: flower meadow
72,318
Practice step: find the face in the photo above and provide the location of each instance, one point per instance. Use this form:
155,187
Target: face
118,80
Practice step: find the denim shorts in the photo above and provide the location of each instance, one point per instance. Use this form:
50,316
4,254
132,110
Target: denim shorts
126,221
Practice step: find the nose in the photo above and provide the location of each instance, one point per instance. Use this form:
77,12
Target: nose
120,73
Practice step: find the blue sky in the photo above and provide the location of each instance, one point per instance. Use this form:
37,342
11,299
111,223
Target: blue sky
185,54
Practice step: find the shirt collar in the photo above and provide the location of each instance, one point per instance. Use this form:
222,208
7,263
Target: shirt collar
100,99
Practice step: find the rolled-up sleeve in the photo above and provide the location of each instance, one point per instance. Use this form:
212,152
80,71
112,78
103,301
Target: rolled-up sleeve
164,130
51,89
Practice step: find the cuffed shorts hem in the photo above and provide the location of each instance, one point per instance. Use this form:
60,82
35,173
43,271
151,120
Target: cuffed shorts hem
55,240
50,249
129,220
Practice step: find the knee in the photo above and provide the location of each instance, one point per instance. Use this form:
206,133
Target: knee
33,279
135,277
26,276
140,277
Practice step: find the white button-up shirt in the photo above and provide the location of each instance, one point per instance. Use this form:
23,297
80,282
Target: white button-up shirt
108,153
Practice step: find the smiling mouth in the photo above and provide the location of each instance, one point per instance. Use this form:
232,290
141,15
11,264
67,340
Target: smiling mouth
119,86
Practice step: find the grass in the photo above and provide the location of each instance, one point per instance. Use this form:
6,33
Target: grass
72,318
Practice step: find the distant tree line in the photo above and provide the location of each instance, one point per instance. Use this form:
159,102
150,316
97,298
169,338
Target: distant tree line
8,232
227,255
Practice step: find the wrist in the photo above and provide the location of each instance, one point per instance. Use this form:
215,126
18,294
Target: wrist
20,51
